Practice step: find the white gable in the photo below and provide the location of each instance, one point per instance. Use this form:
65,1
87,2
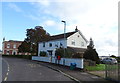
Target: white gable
76,40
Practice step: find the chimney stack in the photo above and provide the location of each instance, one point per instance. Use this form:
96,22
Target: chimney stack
76,30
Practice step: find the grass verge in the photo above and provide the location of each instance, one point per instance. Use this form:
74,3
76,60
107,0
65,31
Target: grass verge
98,67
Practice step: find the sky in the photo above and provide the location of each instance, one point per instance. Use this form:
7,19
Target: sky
97,19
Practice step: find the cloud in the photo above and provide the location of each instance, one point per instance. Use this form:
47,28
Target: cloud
14,7
95,18
33,17
49,23
45,2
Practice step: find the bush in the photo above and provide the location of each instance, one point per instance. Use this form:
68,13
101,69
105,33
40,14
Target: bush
43,53
77,55
69,53
60,52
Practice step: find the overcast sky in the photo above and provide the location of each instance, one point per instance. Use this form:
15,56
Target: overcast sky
94,18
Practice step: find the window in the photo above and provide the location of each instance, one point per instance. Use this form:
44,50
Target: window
8,45
50,44
61,44
43,44
56,44
82,43
14,52
50,52
7,52
14,46
73,42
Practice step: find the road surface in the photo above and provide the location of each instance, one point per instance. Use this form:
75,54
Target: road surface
16,69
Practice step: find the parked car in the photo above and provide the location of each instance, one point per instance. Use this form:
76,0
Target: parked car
109,61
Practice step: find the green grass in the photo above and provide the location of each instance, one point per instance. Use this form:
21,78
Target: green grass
98,67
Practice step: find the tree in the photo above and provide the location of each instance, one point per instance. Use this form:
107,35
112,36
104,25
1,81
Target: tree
91,53
33,36
24,47
113,56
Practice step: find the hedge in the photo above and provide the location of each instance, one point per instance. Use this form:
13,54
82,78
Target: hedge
19,56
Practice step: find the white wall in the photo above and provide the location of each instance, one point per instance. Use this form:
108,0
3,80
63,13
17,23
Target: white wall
54,42
68,61
78,41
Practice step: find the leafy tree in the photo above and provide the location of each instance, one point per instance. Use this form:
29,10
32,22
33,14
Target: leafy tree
33,36
60,52
24,47
91,53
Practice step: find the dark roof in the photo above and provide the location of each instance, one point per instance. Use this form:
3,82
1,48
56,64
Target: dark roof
74,49
60,36
13,41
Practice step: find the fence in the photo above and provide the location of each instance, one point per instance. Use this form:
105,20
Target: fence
63,61
112,71
88,62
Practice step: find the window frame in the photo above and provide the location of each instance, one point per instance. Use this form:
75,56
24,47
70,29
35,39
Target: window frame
8,45
82,44
50,44
73,42
14,46
43,44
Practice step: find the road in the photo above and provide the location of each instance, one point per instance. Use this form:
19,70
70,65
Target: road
16,69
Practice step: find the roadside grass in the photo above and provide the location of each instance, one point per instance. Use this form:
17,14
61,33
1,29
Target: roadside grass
98,70
98,67
101,67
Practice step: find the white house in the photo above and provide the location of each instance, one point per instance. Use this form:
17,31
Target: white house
74,40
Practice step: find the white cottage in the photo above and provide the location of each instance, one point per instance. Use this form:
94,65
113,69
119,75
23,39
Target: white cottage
74,40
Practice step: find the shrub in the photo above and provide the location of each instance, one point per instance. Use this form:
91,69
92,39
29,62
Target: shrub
60,52
77,55
43,53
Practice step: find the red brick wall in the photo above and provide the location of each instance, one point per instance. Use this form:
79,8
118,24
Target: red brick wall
11,49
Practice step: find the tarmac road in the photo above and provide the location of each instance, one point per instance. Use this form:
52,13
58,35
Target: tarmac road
16,69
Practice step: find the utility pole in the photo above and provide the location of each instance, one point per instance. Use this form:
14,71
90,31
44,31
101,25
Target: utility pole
64,39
